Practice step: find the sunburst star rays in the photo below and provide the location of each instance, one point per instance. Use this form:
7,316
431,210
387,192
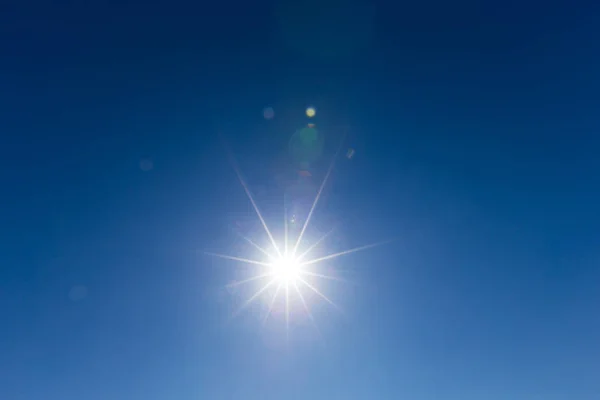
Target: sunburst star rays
291,283
286,271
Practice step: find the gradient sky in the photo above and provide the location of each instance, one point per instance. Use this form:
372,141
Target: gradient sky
476,136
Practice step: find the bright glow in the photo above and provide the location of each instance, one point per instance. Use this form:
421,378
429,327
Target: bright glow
289,271
286,270
310,112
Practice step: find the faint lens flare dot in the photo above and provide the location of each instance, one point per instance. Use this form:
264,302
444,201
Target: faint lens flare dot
310,112
146,165
78,293
269,113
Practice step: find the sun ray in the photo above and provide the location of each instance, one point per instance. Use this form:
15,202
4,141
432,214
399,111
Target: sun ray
287,311
254,278
310,316
318,196
240,259
272,303
247,190
285,228
314,205
342,253
256,246
254,296
301,256
314,289
328,277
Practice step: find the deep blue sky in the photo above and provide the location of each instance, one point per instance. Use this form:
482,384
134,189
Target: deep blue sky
476,136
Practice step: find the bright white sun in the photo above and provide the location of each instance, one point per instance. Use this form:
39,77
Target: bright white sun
286,270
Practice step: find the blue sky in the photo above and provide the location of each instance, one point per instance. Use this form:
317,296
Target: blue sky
475,131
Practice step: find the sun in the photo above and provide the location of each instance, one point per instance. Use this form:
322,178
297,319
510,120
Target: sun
286,270
289,270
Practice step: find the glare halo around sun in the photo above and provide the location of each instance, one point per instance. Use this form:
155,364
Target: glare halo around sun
286,270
